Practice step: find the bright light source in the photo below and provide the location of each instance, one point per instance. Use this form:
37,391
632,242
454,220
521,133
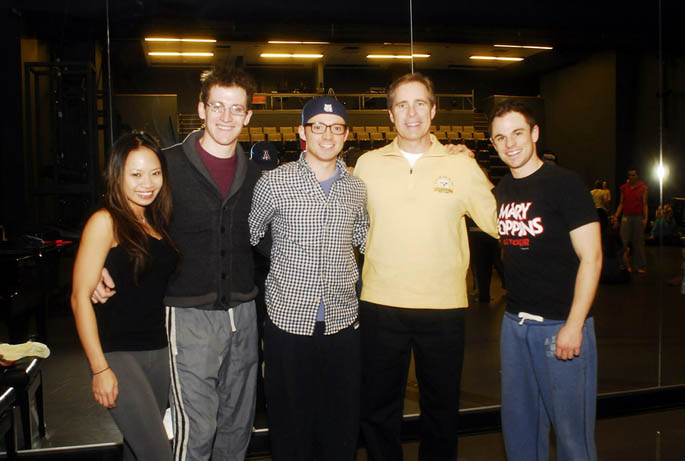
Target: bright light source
291,55
397,56
193,40
529,47
295,42
661,171
176,53
496,58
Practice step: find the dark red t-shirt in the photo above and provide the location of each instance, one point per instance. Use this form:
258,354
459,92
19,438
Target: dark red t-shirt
221,169
632,198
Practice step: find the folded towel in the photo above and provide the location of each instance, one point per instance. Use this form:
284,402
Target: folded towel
27,349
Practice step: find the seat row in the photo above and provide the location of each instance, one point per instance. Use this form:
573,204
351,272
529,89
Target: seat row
285,133
360,136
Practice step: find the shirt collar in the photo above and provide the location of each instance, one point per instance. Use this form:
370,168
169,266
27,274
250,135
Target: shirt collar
341,168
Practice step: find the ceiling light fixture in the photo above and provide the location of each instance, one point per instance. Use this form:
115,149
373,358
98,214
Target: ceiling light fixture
529,47
176,53
193,40
295,42
496,58
397,56
291,55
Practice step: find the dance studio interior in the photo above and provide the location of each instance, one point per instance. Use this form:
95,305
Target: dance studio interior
606,83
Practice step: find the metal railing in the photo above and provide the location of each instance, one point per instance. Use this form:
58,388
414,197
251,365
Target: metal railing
360,101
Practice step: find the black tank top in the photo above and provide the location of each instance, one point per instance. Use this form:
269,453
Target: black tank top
133,319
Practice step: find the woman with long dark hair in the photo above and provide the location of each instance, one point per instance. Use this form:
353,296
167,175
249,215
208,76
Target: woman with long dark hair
126,342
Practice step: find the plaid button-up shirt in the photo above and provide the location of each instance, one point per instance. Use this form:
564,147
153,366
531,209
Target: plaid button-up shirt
312,257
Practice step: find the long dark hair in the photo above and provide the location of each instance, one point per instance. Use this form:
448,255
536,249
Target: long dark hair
128,231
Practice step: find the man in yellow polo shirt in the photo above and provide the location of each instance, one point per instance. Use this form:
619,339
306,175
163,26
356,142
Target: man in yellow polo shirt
414,277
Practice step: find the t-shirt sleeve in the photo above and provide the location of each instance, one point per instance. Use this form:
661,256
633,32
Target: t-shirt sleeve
575,201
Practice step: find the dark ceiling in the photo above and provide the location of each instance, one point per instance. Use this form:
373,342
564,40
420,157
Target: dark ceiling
574,28
355,20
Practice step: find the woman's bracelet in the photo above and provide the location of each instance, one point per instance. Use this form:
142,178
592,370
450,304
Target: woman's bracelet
101,371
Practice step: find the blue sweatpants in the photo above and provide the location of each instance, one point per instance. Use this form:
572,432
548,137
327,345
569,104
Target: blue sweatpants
539,390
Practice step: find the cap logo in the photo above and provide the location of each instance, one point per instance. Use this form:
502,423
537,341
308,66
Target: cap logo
266,156
328,107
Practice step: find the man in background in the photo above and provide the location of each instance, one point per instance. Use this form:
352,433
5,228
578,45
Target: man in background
633,205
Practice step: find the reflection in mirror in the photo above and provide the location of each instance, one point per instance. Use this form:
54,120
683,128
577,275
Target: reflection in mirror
83,74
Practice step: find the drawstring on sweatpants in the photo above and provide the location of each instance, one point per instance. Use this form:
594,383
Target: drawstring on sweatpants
526,316
230,316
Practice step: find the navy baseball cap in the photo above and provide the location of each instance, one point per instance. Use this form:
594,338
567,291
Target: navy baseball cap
265,155
323,105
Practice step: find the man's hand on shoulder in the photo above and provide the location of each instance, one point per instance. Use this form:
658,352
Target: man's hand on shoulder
459,149
105,288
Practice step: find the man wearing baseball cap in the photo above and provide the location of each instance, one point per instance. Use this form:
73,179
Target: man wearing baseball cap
317,214
265,155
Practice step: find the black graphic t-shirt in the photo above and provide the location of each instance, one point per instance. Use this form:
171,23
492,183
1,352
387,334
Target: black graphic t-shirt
535,216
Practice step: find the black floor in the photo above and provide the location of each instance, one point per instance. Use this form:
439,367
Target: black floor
640,345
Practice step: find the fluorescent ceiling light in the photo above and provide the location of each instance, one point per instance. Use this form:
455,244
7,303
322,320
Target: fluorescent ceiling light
397,56
291,55
176,53
530,47
496,58
194,40
295,42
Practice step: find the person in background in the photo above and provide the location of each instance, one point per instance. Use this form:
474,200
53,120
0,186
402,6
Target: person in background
665,229
267,158
601,196
633,206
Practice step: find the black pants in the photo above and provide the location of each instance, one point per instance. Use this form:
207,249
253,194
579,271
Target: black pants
388,336
312,393
484,255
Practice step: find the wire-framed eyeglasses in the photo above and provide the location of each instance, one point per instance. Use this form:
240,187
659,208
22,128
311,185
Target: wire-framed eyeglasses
219,108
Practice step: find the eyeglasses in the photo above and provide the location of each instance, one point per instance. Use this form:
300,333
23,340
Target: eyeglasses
219,108
320,128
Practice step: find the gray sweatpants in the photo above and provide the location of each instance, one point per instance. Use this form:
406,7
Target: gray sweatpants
213,381
143,378
633,233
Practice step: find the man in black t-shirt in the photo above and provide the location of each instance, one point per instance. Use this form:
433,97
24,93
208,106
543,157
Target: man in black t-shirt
552,261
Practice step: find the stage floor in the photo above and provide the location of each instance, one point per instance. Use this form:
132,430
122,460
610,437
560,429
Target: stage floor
629,319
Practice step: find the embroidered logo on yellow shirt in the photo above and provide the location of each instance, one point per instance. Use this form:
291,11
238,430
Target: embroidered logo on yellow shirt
443,184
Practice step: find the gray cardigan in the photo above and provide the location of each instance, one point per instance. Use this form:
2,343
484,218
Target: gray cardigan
216,270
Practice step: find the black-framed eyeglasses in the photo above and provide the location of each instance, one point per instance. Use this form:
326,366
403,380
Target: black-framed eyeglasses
320,128
219,108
